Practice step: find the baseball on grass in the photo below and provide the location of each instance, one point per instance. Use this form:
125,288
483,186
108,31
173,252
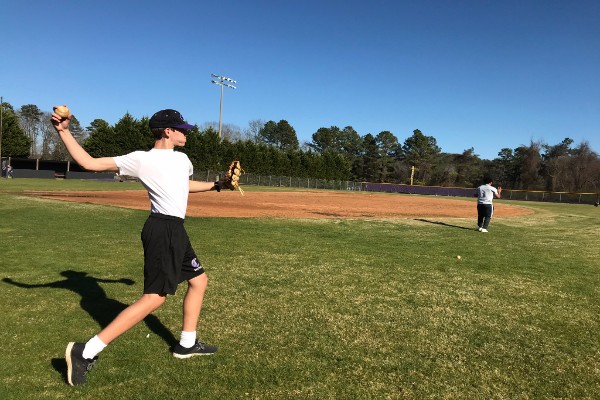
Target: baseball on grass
458,258
62,111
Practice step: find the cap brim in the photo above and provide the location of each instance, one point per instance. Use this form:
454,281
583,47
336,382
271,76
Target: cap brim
184,126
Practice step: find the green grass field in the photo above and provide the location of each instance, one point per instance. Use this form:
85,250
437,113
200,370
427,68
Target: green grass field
307,309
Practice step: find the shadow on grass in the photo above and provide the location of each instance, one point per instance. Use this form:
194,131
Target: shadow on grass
95,302
60,365
442,223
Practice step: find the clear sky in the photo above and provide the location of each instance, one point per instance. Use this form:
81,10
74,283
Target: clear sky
471,73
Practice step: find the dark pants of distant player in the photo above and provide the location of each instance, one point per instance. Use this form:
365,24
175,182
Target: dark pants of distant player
484,215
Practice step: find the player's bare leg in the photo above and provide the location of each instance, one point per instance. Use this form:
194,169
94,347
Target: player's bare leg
192,305
78,364
192,302
131,316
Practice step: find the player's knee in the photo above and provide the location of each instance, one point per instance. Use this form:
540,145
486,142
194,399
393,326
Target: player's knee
201,281
153,301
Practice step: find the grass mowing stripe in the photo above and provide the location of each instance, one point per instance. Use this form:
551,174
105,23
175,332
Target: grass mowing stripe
312,309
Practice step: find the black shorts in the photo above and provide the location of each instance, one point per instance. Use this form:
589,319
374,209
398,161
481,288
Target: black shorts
169,258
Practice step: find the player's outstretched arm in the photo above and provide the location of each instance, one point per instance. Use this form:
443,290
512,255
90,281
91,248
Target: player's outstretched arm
198,186
61,124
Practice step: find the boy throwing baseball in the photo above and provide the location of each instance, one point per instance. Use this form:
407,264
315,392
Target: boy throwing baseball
169,258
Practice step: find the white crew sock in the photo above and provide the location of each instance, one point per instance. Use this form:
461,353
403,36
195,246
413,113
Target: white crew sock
188,339
93,347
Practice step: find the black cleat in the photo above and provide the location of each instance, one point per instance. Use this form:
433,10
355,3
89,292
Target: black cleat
77,366
198,349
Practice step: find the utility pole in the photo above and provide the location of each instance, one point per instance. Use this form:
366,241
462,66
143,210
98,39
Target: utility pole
222,81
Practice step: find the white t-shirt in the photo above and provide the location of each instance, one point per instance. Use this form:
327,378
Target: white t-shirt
165,174
485,194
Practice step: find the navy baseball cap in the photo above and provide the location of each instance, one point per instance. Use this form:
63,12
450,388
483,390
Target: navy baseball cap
169,119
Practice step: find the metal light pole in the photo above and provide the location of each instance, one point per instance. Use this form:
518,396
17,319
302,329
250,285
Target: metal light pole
222,81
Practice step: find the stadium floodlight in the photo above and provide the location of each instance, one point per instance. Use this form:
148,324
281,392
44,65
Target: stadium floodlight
223,78
221,82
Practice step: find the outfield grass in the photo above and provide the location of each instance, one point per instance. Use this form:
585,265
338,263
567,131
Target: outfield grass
308,309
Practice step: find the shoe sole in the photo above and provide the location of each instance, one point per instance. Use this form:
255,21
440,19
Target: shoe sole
69,363
184,356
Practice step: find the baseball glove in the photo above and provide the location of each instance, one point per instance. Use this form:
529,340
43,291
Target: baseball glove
232,176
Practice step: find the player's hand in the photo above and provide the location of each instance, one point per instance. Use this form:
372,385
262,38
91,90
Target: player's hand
60,123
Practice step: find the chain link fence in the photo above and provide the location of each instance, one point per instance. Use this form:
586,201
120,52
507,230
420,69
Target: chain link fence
555,197
57,169
285,181
308,183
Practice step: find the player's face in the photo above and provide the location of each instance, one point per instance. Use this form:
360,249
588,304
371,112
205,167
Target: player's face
178,136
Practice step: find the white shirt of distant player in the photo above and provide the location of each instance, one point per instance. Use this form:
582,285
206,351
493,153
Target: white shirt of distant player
485,194
165,174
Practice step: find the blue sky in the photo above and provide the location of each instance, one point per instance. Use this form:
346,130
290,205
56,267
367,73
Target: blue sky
483,74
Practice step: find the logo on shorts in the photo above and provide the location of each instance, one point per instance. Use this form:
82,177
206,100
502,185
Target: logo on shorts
196,264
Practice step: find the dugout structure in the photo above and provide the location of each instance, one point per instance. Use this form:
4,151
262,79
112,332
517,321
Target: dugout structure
50,169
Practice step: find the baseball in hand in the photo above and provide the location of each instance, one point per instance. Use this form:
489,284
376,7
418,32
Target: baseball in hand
62,111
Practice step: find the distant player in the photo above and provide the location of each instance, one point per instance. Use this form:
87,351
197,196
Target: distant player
485,207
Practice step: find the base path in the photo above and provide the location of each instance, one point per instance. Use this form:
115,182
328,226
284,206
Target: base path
300,204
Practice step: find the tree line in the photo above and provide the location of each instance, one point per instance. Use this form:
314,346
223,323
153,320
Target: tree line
272,148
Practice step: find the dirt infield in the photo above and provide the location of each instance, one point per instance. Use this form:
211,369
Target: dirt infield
299,204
